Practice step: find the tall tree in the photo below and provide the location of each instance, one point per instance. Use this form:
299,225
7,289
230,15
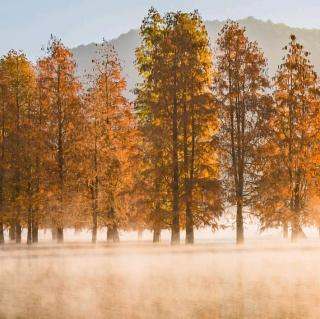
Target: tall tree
176,115
19,88
241,89
4,135
110,142
295,139
60,86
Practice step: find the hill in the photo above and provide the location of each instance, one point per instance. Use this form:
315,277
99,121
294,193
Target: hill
271,38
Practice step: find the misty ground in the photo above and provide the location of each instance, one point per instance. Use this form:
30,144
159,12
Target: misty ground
266,278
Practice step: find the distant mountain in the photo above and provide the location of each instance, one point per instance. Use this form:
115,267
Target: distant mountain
271,38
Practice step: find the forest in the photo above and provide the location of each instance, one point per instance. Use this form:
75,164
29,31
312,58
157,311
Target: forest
210,134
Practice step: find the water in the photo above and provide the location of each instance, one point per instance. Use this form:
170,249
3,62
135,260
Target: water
139,280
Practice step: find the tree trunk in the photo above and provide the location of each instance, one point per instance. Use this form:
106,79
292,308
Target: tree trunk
60,159
285,229
302,233
1,209
35,230
296,230
18,232
189,226
116,237
156,235
139,234
54,233
94,190
109,234
1,230
3,136
94,217
239,222
29,234
94,231
175,230
189,186
12,231
60,234
294,234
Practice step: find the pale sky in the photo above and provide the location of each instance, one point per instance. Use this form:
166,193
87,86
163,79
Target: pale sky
27,24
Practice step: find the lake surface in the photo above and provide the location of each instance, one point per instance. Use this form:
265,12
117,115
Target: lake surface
139,280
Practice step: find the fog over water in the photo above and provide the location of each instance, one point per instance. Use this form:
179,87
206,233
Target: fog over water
265,278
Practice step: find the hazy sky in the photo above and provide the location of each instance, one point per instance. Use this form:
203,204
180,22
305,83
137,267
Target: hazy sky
27,24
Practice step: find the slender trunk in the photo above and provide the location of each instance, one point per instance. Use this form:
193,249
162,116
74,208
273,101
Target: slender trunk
12,231
294,231
1,212
189,226
18,232
29,218
17,169
116,237
139,234
29,234
189,186
94,216
54,233
175,233
1,230
94,188
285,229
61,163
3,132
239,222
1,196
35,213
295,227
35,230
60,235
157,220
94,228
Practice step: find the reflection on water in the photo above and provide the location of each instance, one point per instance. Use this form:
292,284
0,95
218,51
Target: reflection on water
143,281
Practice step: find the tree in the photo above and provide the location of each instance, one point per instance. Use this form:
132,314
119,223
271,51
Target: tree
176,116
18,93
241,89
61,88
295,124
4,135
110,143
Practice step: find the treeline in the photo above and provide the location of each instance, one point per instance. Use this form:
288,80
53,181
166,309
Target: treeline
208,134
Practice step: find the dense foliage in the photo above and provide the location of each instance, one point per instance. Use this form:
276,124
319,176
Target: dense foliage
207,134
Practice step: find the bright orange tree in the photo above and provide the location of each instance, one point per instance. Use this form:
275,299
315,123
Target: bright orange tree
61,89
110,144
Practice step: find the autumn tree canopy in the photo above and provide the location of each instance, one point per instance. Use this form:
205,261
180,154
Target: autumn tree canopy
207,135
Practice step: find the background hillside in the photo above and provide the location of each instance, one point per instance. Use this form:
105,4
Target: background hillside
271,38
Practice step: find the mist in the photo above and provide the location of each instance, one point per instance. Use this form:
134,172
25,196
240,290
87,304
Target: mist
261,279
